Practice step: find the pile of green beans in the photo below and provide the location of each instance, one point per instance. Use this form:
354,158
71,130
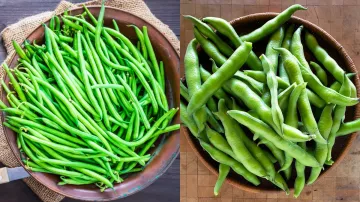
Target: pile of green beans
87,105
265,116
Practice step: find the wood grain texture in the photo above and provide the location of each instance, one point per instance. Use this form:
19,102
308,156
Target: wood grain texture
167,187
340,18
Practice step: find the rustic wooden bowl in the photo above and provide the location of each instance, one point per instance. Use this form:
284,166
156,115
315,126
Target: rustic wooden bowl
245,25
167,147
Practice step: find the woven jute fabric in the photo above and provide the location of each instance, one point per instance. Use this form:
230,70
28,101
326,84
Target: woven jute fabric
20,30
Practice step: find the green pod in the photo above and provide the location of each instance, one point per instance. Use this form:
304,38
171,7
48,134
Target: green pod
320,73
210,117
236,142
272,84
272,25
297,48
299,183
223,172
349,128
325,124
254,84
209,33
275,40
286,44
264,130
193,81
224,159
209,48
293,69
327,94
291,116
339,113
216,80
314,99
227,30
326,60
219,94
261,77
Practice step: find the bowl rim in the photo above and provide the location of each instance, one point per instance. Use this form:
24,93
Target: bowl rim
351,137
160,169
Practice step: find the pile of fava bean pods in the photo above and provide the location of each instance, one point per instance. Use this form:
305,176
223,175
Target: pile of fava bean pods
87,105
263,116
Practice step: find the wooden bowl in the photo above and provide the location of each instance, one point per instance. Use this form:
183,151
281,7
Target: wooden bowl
245,25
167,147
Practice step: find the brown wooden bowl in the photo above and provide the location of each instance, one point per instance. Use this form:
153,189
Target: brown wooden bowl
245,25
167,147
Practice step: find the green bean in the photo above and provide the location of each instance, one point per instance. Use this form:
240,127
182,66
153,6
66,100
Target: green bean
275,40
85,171
47,167
73,164
51,137
20,51
14,83
131,126
71,24
151,55
148,134
100,78
93,80
135,100
227,30
12,99
264,130
71,85
320,73
272,25
217,79
58,146
85,77
99,50
74,181
162,74
146,86
14,129
141,38
223,172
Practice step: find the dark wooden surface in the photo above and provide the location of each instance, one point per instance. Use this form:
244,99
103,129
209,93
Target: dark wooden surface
167,187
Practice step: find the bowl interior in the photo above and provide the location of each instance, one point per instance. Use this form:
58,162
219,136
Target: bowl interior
167,147
247,24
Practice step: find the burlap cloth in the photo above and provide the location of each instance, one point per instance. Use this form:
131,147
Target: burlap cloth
20,30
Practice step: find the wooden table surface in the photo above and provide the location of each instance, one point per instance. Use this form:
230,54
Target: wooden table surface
167,187
340,18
